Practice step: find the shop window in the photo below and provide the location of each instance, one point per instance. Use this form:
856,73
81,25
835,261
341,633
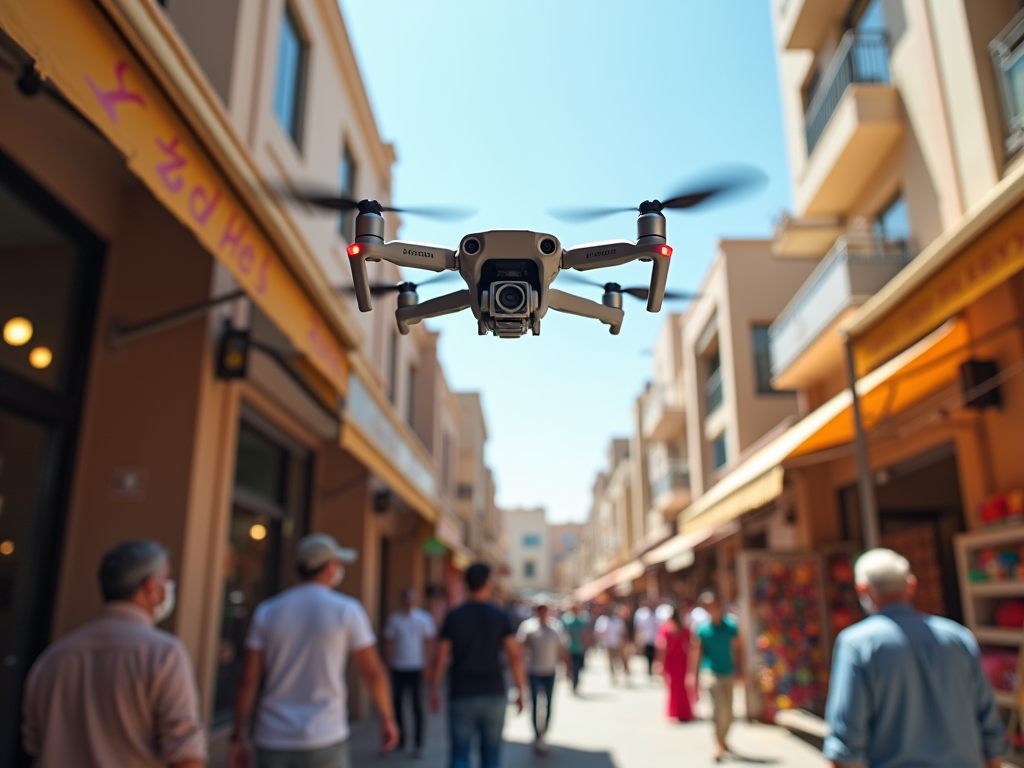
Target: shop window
529,569
289,86
268,516
719,453
347,187
531,540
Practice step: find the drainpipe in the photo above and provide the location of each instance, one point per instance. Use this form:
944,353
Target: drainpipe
865,483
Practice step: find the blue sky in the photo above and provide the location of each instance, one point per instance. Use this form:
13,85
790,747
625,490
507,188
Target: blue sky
514,108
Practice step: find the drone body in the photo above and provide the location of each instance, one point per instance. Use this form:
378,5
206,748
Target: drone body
508,273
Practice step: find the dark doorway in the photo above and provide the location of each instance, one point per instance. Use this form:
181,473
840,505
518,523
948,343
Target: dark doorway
919,512
49,282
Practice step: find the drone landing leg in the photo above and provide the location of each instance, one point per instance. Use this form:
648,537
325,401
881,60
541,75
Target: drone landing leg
442,305
577,305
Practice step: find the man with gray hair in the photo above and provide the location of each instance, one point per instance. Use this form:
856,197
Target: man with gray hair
908,688
118,691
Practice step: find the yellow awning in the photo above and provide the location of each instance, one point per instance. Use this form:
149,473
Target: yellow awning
905,380
620,576
76,47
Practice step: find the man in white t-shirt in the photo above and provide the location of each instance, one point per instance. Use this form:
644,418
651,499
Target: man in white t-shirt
545,642
298,644
409,640
611,631
646,625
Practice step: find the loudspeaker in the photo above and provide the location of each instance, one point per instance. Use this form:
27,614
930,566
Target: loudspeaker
974,373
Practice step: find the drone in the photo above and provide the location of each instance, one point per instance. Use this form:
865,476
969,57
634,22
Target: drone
509,272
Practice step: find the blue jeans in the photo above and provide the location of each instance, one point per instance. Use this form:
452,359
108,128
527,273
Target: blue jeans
541,685
483,715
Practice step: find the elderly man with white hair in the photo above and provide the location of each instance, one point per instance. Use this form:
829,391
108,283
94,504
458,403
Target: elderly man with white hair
908,688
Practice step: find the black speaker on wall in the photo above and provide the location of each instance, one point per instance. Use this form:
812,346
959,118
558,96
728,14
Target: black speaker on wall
973,374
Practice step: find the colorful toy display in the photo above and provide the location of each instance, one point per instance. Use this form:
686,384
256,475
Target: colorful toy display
1002,564
1000,665
840,592
1003,507
1010,613
790,665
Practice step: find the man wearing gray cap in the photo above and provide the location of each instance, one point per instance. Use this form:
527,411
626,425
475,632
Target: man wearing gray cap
298,644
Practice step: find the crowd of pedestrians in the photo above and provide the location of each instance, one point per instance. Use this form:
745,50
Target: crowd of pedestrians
907,688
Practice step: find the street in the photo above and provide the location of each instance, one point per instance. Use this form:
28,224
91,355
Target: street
610,727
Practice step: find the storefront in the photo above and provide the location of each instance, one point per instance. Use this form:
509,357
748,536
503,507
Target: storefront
173,363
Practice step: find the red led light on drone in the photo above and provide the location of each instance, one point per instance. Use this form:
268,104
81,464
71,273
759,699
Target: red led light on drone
355,249
666,250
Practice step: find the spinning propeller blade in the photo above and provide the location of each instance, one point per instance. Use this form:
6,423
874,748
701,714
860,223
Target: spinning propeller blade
639,293
714,186
333,201
376,289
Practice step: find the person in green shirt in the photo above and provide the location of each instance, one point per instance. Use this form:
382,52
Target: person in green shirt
577,625
717,655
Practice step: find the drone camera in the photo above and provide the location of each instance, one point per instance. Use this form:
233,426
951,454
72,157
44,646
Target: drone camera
511,299
471,246
547,246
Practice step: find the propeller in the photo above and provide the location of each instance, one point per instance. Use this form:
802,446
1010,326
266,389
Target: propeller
377,289
333,201
639,293
715,186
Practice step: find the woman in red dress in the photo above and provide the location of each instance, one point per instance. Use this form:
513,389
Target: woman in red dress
674,651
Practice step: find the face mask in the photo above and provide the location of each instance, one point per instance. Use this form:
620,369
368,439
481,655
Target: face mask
165,608
867,604
339,576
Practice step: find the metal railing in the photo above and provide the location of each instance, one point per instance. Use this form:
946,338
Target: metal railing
862,57
1007,52
676,477
713,390
863,249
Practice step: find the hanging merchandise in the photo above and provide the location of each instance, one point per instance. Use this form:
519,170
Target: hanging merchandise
844,607
784,623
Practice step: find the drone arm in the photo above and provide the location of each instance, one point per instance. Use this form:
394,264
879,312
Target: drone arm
648,248
414,255
577,305
442,305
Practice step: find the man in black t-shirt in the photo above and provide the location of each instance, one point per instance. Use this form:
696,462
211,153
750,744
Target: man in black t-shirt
472,638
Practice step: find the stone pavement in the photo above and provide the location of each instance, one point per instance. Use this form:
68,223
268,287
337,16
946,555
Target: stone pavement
609,727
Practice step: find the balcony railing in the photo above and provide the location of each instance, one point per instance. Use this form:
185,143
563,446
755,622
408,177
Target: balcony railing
830,289
675,478
863,57
1008,59
661,402
713,390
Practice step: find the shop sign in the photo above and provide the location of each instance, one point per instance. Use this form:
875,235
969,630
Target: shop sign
79,50
991,260
364,411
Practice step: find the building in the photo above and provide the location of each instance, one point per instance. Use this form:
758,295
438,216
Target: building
565,540
528,553
178,360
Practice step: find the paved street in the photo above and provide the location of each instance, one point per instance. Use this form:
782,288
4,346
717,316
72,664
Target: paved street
612,728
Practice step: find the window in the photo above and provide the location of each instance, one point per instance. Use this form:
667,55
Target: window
713,385
347,187
464,491
1008,61
529,569
719,453
288,89
410,405
393,368
763,361
446,462
892,223
531,540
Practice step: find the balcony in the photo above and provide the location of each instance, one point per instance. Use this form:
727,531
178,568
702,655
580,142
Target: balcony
713,391
663,417
804,345
670,491
803,23
1007,52
853,122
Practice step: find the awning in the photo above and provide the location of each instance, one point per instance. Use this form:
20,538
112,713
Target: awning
625,574
982,251
678,545
371,432
928,366
76,47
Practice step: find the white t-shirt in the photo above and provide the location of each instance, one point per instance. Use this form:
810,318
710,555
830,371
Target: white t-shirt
611,631
646,623
306,634
408,633
544,644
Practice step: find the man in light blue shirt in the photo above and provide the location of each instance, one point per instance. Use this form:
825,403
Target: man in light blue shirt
908,689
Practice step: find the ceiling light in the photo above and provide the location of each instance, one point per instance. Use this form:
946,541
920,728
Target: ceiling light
17,331
258,532
40,357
